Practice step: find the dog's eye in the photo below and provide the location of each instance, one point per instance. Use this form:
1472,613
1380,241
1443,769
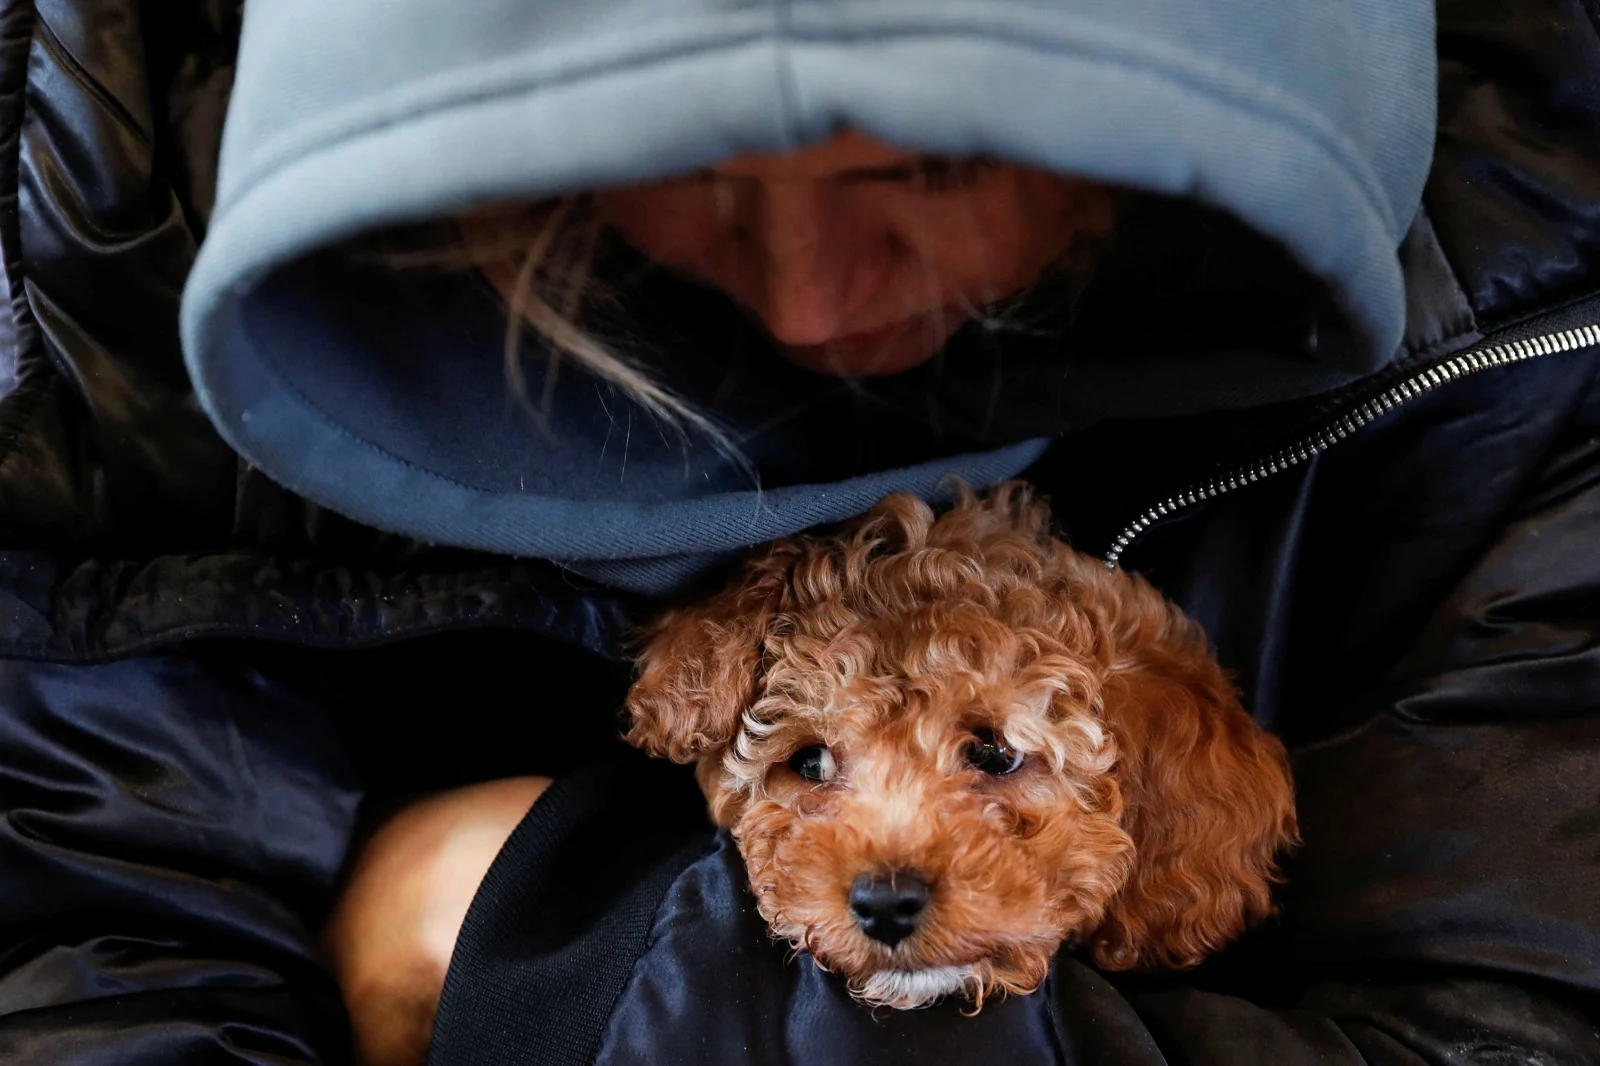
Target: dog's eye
986,753
814,763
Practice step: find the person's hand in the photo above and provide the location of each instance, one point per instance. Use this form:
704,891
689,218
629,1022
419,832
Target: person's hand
393,931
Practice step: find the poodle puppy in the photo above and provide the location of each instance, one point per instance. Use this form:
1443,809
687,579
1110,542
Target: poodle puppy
946,744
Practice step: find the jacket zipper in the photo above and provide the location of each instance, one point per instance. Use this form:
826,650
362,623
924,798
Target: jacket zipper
1409,388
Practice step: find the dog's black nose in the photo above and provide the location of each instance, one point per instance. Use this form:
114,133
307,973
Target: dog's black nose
888,906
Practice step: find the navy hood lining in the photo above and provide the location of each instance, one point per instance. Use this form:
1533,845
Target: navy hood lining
567,530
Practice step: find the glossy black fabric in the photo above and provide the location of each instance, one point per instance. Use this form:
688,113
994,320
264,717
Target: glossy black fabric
162,870
1516,181
1439,691
553,978
781,1012
1414,611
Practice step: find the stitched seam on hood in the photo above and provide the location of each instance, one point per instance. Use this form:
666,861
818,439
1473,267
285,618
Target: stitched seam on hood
1219,84
788,85
309,405
649,549
444,93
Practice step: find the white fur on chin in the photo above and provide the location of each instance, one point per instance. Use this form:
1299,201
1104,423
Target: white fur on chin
909,989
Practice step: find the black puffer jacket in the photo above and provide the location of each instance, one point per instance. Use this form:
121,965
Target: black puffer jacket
204,675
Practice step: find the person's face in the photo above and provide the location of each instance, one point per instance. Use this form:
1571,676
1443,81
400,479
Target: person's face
860,259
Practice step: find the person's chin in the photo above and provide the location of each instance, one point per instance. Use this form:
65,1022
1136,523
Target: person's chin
884,355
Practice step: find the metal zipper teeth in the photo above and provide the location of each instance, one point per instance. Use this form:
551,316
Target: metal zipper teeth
1418,384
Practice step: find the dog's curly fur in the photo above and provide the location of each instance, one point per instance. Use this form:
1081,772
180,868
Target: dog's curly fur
1145,818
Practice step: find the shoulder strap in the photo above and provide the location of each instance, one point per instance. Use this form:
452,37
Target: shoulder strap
563,915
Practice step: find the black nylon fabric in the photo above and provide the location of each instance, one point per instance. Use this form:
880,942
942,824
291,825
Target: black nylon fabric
783,1012
1414,611
1444,906
163,871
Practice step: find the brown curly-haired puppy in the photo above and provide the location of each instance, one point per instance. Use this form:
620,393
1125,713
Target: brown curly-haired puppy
946,744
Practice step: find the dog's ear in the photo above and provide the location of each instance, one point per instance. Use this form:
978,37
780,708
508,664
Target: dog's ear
1207,793
700,665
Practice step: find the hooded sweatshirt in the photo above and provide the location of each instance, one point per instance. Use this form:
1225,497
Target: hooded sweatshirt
1307,127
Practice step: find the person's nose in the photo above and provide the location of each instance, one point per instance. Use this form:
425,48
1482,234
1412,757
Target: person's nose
806,249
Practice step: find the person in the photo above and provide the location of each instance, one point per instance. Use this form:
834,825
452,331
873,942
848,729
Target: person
1291,307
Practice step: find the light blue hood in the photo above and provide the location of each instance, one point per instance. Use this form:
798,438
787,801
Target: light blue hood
1310,120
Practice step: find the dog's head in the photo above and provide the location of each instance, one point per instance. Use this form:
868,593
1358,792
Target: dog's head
947,744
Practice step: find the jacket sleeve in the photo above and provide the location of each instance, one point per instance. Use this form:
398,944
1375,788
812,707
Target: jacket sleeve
170,832
1445,906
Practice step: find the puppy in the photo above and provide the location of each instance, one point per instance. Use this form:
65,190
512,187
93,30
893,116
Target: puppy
946,744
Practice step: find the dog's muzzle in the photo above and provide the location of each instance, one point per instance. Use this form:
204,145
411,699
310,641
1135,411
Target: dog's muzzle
889,906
